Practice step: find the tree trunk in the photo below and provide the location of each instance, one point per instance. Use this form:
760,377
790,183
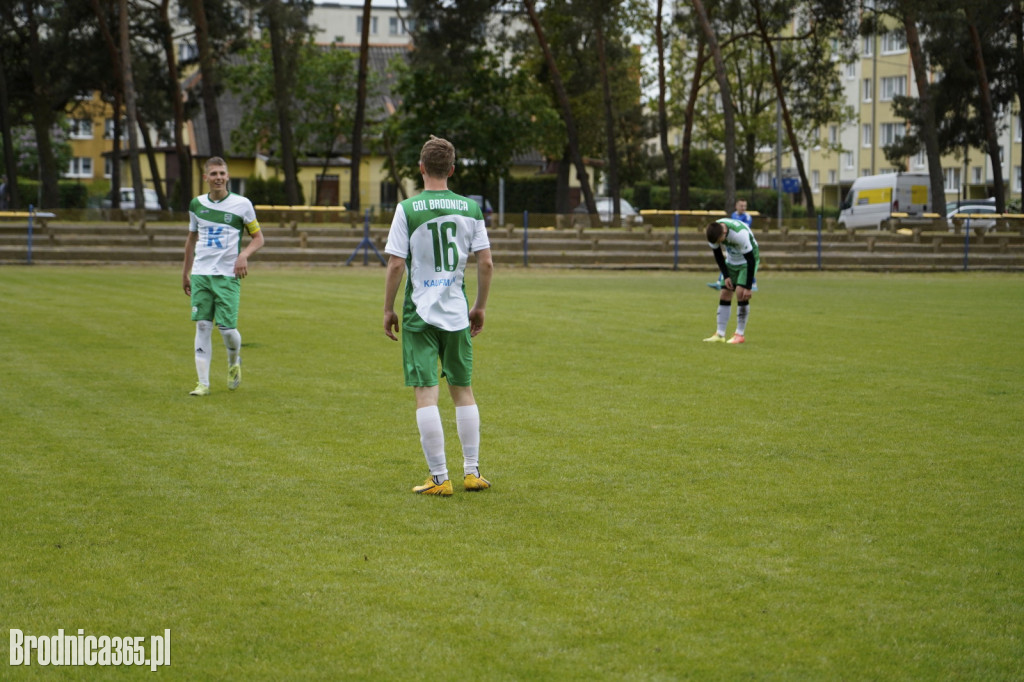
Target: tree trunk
208,82
609,127
727,109
43,120
563,102
666,150
991,137
154,167
128,79
794,143
929,129
11,199
282,100
357,127
184,194
689,115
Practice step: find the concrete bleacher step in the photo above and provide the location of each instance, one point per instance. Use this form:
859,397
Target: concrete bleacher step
639,247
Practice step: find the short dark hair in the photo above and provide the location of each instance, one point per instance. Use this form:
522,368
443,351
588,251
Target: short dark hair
437,157
715,231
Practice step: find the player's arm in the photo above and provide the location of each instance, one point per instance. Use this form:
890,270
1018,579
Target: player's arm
751,266
484,271
255,244
720,260
393,278
190,254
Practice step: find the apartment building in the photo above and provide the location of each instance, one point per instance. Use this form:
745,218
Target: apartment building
883,71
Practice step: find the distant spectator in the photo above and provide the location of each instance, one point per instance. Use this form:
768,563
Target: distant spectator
3,193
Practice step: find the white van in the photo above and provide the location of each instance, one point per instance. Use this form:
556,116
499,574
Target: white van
873,198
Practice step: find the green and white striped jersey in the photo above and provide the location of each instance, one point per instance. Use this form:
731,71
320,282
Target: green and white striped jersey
435,232
220,225
739,240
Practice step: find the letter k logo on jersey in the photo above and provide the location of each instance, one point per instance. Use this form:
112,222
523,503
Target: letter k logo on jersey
213,237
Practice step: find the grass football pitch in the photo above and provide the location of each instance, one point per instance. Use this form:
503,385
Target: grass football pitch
842,497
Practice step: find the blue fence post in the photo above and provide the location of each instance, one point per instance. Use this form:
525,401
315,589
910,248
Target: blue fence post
967,240
526,238
31,214
675,257
819,241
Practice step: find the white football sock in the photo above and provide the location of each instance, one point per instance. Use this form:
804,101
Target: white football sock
233,342
467,419
204,337
742,311
428,419
724,310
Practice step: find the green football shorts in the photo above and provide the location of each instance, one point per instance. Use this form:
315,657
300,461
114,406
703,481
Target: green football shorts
421,350
738,273
215,297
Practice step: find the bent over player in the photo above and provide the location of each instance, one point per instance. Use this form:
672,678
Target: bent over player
738,266
215,264
432,236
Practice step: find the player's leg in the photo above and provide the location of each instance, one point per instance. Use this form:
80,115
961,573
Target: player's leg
722,317
227,295
202,315
457,368
742,311
419,354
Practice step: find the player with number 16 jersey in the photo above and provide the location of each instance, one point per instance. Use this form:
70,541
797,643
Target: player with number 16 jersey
435,232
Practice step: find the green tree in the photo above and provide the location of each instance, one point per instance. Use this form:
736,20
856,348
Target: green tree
456,85
43,44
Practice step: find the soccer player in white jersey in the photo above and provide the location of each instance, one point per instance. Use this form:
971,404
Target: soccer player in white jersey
432,236
215,264
738,266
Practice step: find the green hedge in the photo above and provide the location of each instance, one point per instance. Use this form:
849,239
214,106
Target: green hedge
70,195
268,191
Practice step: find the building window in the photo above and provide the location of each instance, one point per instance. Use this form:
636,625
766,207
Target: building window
920,159
848,160
865,135
373,25
108,167
80,167
851,71
868,46
81,129
951,179
1016,181
815,181
395,26
976,175
894,42
833,134
868,89
891,132
832,177
893,86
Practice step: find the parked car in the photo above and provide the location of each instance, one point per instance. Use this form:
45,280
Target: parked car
127,196
972,208
628,214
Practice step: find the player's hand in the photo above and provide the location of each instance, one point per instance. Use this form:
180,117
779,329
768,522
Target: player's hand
742,294
727,284
241,266
186,284
391,324
476,321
